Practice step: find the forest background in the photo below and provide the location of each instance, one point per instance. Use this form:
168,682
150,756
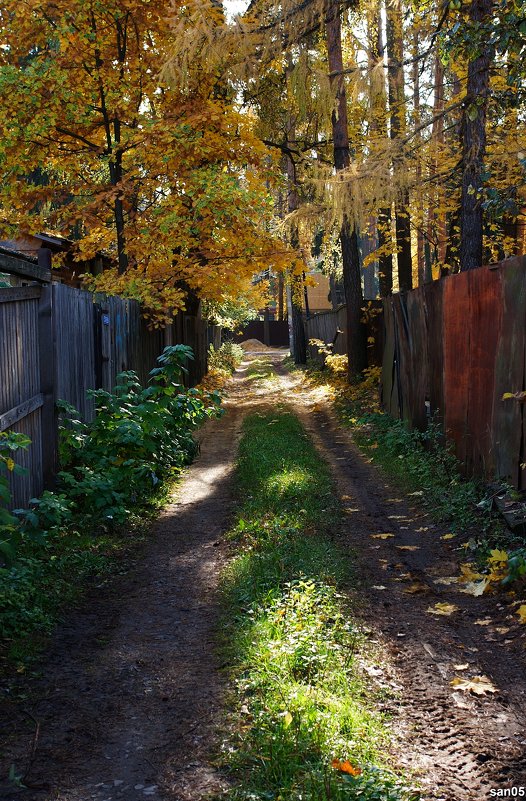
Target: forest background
199,151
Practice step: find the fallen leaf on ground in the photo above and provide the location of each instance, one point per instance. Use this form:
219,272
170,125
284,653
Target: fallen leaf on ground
468,574
460,702
485,622
448,536
408,547
417,586
521,611
442,609
447,580
497,556
346,767
480,685
476,588
381,536
461,667
420,492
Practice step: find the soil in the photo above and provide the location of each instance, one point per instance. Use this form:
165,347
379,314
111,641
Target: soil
130,700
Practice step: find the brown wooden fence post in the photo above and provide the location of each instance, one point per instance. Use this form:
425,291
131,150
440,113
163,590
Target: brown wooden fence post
46,347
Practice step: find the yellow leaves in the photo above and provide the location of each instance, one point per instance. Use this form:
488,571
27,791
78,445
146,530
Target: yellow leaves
408,547
521,612
497,557
442,608
518,396
467,573
416,587
287,719
448,536
10,464
475,588
382,536
346,767
478,685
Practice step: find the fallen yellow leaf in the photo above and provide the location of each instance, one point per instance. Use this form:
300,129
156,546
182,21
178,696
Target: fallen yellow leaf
480,685
448,536
461,667
468,574
346,767
447,580
486,622
475,588
417,586
521,611
442,609
381,536
408,547
497,556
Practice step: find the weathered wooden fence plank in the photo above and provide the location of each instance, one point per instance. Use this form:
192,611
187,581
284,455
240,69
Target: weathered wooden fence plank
459,344
15,294
8,419
510,370
20,396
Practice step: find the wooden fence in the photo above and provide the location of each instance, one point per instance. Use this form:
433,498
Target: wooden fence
56,342
454,347
325,325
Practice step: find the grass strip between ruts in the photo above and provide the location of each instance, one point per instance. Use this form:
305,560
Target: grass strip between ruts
304,727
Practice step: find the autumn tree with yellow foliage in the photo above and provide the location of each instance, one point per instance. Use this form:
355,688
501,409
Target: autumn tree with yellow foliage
96,145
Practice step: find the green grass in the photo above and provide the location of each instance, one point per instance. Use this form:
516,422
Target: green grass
295,648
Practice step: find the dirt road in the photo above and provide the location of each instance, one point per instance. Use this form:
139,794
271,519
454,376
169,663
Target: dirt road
131,694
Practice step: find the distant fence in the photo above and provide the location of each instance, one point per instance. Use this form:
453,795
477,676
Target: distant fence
455,346
274,333
56,342
325,325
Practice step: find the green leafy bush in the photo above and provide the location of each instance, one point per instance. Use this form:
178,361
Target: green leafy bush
226,358
10,442
138,438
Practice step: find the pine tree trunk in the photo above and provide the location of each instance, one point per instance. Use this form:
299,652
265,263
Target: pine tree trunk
379,116
352,279
299,341
473,138
397,106
419,200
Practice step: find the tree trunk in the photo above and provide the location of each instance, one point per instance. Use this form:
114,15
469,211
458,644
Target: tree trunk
299,341
473,139
397,107
352,280
379,116
419,201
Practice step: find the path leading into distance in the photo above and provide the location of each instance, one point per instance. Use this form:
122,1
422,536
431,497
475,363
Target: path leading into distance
130,702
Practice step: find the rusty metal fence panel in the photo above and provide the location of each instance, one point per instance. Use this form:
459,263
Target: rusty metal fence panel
454,347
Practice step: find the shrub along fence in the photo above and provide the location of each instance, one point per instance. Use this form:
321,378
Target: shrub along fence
56,342
454,347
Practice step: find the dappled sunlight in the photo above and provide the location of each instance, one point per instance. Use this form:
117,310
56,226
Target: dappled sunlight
288,480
